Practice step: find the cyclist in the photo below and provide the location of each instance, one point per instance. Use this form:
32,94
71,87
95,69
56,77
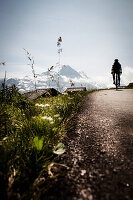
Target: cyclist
116,69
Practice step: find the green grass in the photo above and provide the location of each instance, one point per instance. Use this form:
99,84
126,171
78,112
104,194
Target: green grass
30,132
130,86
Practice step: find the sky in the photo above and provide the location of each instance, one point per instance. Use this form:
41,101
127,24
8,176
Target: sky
94,33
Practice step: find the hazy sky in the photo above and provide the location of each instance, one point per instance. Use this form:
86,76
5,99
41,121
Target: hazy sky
94,33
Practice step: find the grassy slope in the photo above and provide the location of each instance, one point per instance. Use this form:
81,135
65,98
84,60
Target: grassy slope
30,130
130,86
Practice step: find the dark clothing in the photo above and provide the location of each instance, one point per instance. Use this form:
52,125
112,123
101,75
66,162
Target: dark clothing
116,69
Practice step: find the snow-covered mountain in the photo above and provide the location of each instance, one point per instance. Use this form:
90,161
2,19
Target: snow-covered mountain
69,72
62,77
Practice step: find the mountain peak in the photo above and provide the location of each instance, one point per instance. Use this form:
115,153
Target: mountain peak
68,71
44,80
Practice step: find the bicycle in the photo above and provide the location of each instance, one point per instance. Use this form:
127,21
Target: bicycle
116,81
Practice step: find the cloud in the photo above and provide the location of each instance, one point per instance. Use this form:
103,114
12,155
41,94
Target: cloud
18,70
107,80
127,75
103,81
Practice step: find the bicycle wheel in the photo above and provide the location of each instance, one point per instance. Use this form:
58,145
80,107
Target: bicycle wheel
116,81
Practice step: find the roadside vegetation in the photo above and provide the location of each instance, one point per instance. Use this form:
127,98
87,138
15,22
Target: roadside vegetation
31,138
130,86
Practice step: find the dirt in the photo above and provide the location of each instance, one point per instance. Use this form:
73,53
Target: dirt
98,163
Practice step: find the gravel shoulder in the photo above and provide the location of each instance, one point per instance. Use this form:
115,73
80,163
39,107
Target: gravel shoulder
98,163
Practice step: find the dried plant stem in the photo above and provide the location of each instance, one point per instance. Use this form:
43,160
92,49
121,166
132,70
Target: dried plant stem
30,58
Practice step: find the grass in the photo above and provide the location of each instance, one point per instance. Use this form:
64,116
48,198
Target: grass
31,131
130,86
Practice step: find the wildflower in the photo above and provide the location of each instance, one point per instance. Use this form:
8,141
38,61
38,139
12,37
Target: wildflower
47,118
5,138
57,115
18,125
42,105
46,105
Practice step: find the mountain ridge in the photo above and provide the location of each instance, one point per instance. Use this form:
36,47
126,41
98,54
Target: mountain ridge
65,73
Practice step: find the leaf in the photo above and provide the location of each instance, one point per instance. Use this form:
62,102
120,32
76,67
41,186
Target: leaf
38,143
59,149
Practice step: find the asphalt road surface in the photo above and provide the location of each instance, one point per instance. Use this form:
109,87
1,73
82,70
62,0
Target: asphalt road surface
98,163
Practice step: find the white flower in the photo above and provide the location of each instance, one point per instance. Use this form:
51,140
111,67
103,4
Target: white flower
42,105
57,115
46,105
45,117
5,138
48,118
